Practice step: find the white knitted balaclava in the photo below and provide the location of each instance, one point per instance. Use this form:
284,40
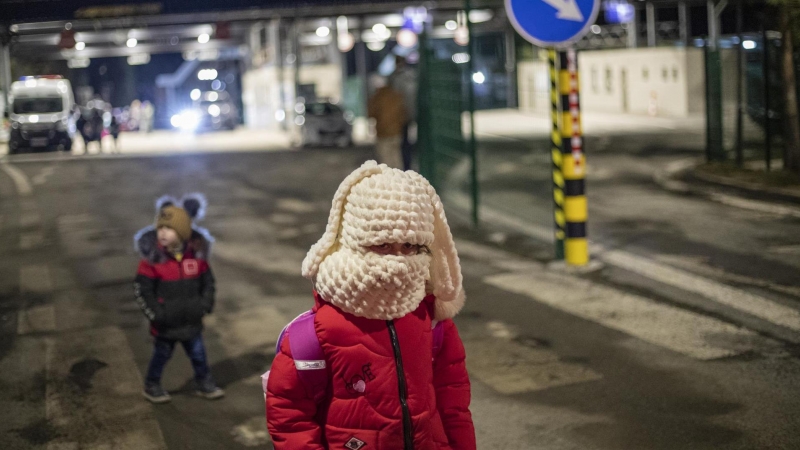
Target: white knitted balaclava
376,205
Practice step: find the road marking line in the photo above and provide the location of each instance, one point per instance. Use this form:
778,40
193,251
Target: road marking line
252,433
29,219
755,205
39,319
35,279
740,300
19,178
688,333
41,177
28,241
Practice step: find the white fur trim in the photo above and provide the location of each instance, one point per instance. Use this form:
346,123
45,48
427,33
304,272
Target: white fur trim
166,200
199,198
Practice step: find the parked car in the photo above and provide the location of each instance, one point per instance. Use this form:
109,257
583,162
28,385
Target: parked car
325,124
41,113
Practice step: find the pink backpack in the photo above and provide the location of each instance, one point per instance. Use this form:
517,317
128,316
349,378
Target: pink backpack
309,360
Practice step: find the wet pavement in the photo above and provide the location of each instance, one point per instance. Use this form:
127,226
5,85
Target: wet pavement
663,355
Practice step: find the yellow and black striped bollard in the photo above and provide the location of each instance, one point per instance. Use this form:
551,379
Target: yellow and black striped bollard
556,153
573,162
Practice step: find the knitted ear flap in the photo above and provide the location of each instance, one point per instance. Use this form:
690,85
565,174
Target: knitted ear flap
164,201
327,242
196,205
445,266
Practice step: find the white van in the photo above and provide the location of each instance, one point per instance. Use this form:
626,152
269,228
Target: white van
41,113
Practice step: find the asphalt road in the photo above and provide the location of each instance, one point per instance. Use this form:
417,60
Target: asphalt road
636,356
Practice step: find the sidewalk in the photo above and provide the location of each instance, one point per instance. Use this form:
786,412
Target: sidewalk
516,124
751,188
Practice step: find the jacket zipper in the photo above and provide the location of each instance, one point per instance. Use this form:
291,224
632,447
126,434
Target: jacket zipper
401,381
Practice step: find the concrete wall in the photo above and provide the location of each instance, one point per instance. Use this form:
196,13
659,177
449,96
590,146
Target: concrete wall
261,91
664,81
533,81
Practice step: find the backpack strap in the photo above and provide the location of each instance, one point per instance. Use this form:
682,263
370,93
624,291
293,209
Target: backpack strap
438,338
309,360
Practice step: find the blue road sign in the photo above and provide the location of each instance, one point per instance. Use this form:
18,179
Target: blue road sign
550,23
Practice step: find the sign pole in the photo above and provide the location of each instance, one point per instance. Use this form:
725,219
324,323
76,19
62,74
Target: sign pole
573,165
556,156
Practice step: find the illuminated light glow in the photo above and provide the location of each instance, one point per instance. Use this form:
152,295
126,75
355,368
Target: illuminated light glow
376,46
596,29
300,108
451,25
379,28
461,58
323,32
300,121
346,42
131,42
187,120
214,110
213,96
479,77
30,83
280,115
407,38
195,94
203,38
138,60
207,74
480,15
381,31
749,45
461,36
80,46
34,118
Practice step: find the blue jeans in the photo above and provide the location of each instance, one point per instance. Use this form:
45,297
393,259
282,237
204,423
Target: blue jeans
162,352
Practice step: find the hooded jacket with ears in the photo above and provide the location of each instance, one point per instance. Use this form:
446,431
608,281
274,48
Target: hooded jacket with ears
384,392
175,295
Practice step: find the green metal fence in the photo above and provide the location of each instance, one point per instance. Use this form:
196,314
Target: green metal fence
446,157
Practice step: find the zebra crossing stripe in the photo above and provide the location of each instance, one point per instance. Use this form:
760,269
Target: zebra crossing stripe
685,332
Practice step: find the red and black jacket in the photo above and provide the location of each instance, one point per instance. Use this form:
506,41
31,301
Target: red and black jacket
174,295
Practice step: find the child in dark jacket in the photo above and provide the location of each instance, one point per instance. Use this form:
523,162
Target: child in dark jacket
175,288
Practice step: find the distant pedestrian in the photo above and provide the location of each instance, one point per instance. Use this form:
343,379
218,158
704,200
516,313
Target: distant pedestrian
97,128
377,363
404,80
113,129
388,109
175,288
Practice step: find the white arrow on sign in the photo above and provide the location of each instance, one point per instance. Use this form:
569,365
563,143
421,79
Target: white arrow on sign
567,9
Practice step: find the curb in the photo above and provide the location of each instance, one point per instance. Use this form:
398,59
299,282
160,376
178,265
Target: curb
666,178
745,186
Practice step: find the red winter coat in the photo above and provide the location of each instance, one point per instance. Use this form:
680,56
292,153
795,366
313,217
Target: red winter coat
383,401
